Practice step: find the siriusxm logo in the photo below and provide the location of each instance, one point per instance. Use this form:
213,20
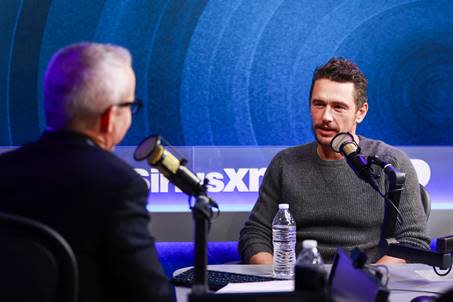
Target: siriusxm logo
241,179
229,180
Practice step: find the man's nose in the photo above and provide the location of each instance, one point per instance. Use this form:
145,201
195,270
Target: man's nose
327,114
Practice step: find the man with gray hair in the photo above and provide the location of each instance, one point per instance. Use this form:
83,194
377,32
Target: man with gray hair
70,180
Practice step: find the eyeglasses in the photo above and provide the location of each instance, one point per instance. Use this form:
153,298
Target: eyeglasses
135,105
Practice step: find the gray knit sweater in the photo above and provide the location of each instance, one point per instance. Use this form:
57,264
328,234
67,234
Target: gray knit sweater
331,204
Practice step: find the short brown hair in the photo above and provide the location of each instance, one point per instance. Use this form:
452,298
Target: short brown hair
343,71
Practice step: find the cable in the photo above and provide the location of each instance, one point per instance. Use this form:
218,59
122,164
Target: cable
448,270
399,216
189,201
374,160
442,274
386,274
215,210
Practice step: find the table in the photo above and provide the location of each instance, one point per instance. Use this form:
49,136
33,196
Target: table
403,277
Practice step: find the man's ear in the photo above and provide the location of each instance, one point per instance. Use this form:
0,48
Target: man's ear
361,113
106,120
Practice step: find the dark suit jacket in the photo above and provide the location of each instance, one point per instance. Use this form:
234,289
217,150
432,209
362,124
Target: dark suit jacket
97,203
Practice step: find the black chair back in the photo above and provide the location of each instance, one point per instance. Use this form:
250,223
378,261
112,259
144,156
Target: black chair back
426,201
36,263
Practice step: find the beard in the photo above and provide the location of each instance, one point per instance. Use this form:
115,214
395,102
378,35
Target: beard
324,134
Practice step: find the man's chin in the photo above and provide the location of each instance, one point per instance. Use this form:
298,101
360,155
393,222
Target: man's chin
325,140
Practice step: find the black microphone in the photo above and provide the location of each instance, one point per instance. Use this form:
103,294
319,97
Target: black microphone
171,167
345,144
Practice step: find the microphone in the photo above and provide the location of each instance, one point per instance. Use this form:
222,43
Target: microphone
172,168
345,144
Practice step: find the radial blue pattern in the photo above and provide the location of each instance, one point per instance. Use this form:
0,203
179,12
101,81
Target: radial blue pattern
238,72
8,21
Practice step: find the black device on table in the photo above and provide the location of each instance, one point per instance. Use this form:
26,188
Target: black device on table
350,283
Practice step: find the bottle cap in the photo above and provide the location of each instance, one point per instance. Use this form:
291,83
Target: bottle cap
309,244
283,206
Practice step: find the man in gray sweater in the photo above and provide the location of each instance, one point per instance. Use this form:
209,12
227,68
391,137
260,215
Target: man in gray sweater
328,201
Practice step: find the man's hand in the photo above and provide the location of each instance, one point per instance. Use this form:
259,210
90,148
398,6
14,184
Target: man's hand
390,260
261,258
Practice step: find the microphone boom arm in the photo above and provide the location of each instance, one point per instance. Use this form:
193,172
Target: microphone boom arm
345,144
176,172
391,247
396,181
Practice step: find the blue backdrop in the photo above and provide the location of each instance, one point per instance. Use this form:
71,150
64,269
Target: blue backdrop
238,72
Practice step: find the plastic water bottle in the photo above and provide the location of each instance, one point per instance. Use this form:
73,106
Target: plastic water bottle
310,272
284,241
310,254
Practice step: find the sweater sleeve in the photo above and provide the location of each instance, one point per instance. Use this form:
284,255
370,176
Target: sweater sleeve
256,235
413,229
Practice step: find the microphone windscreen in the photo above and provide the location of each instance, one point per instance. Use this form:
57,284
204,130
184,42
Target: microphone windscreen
156,155
340,139
170,162
349,148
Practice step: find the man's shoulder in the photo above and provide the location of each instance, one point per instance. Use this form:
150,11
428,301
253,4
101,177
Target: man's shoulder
70,161
17,155
105,165
381,149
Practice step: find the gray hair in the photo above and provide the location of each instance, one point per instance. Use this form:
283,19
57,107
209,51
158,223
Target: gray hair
83,80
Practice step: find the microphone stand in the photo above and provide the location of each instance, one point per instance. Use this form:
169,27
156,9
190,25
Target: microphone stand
441,258
178,174
202,215
396,181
